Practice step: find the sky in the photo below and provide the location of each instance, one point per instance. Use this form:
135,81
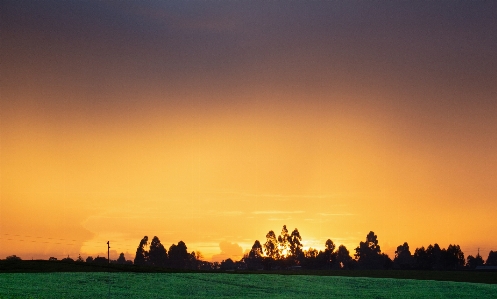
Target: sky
214,122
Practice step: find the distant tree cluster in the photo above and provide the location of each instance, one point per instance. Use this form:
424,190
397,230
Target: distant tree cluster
436,258
286,252
98,260
13,258
177,257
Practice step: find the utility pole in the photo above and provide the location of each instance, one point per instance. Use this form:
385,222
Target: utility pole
108,252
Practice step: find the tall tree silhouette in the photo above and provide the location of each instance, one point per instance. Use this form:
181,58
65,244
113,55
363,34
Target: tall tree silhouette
256,251
283,242
294,241
141,257
368,253
271,246
178,255
329,253
343,258
194,260
454,257
492,258
434,253
473,262
329,246
403,258
421,259
254,258
157,255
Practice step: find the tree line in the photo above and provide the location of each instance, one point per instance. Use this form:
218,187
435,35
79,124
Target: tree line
285,251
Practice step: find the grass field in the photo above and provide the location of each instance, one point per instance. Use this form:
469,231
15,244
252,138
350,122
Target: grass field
43,266
219,285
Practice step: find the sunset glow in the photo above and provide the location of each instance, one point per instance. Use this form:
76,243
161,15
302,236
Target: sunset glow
215,122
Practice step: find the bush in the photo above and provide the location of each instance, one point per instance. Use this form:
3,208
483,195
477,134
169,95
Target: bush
13,258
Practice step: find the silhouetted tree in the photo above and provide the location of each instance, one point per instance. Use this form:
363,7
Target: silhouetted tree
198,255
256,251
216,265
254,258
283,242
311,253
492,258
295,246
435,256
67,260
227,265
403,258
368,253
157,254
121,259
329,246
79,259
271,246
89,259
204,265
192,262
295,243
474,262
178,256
454,257
343,258
141,257
196,260
386,261
311,259
329,255
13,258
422,259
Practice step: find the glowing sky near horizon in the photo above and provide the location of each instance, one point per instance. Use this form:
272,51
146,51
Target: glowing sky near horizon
214,122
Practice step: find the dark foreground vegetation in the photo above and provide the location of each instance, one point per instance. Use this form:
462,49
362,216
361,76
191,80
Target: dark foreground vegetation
43,266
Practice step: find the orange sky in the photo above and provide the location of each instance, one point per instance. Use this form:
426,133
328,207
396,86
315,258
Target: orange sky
215,123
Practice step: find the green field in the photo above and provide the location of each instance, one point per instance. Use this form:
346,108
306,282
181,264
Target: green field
218,285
